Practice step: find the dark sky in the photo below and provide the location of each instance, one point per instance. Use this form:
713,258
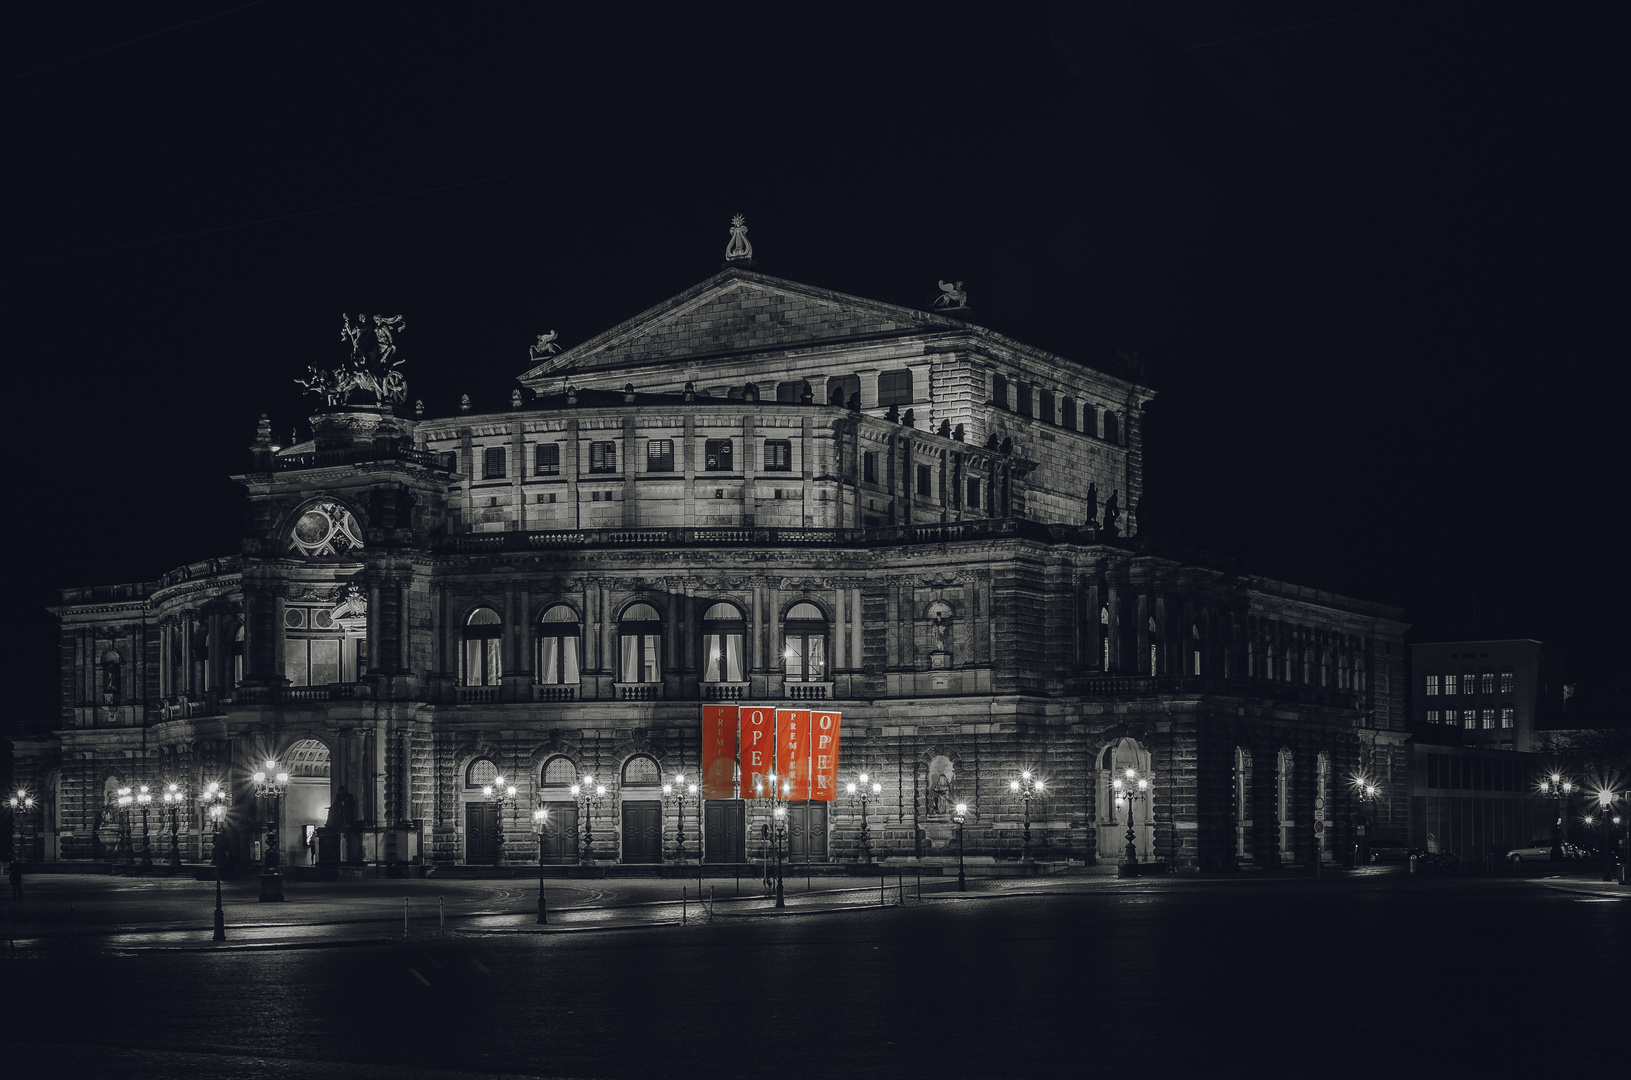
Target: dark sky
1365,249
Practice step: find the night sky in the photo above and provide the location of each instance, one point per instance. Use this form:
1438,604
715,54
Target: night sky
1366,252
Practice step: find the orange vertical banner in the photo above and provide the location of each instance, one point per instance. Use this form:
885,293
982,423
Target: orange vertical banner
758,750
793,753
823,755
719,751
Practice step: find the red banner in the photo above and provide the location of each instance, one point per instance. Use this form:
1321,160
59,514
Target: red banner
719,751
823,738
793,753
758,751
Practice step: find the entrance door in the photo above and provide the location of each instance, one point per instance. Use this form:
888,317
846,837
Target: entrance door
561,844
480,828
722,831
807,832
643,832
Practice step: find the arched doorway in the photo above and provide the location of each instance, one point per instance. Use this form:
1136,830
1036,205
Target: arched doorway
305,803
1114,760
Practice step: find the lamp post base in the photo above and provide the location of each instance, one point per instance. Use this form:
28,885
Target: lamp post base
271,886
1126,869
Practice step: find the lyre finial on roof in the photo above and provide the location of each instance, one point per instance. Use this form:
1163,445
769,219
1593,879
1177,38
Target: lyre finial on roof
739,249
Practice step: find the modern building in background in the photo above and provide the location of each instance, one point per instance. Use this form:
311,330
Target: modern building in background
760,493
1496,694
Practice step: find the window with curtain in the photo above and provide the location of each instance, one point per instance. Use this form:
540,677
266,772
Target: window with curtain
804,644
559,634
480,661
723,633
640,635
603,457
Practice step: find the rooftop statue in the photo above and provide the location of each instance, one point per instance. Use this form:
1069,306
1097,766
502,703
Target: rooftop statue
951,296
739,249
546,345
371,369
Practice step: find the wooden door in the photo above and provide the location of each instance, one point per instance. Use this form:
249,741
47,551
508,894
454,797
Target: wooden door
722,831
643,832
807,832
480,828
562,843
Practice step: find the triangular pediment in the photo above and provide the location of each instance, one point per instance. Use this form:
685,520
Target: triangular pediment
734,312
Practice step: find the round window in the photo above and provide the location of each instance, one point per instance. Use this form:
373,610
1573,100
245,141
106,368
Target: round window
313,528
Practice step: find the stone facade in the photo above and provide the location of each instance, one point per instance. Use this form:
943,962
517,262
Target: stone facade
544,591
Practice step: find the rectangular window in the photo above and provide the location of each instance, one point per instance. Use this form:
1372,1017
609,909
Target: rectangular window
869,467
1432,716
1022,398
778,455
895,388
1469,719
1067,413
548,459
1432,686
1450,717
1506,718
492,463
1489,719
449,460
1488,681
659,455
1506,682
1047,407
1469,684
602,457
1449,684
717,455
1090,420
999,391
924,483
973,494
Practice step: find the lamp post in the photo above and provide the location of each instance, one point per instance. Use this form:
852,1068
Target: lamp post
589,795
497,794
959,816
126,800
1556,788
144,799
173,798
540,818
214,800
777,794
677,791
22,799
863,791
1027,787
269,785
1129,786
1366,791
1605,808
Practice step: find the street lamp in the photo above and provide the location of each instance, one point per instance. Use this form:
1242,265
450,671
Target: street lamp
777,794
1027,787
21,800
497,794
958,816
1556,788
214,800
1366,791
269,785
1605,806
589,795
540,818
864,791
126,801
677,791
1129,786
173,798
144,799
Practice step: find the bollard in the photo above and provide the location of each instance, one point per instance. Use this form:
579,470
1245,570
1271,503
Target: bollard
710,903
682,905
220,916
441,915
404,916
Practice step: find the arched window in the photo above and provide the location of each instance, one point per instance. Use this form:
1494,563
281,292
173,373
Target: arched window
895,387
481,664
1283,804
113,679
1243,801
1308,665
804,644
237,655
640,633
1268,666
1155,652
559,772
1104,638
999,390
558,638
1112,427
1325,669
480,773
723,632
1194,649
641,771
1322,803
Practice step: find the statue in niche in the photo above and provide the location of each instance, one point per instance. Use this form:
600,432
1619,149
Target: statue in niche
1112,513
739,249
952,296
1092,504
545,346
940,795
942,630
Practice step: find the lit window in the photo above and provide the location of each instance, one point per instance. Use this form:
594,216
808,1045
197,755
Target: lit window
1432,716
895,388
804,644
480,773
1506,718
1104,638
723,632
481,663
717,455
1506,682
639,636
1432,686
1469,684
492,463
548,461
1469,719
659,455
1489,719
558,637
1488,681
778,455
559,772
1449,684
602,457
641,771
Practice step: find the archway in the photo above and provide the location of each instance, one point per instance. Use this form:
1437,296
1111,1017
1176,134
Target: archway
305,803
1114,760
